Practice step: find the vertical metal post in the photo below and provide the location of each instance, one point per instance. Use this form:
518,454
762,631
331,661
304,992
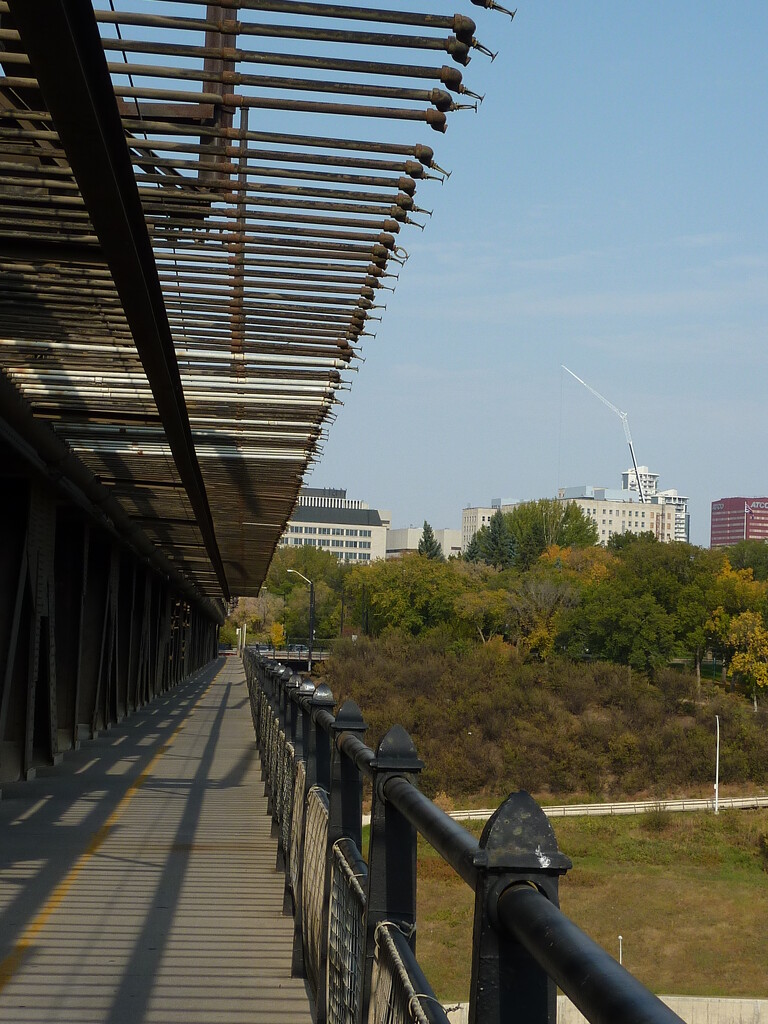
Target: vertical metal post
345,820
391,892
717,767
517,846
319,752
306,690
345,810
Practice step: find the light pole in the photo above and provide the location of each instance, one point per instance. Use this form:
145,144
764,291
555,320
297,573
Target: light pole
717,766
311,614
620,949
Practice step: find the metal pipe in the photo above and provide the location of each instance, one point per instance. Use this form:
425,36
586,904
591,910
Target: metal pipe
454,844
602,989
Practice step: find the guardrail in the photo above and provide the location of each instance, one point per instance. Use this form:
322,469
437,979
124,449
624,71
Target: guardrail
355,921
725,803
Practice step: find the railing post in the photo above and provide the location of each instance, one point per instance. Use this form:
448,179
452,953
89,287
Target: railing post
319,750
391,894
345,820
345,805
305,743
517,847
291,683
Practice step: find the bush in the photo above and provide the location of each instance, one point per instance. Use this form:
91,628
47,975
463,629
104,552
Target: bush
486,723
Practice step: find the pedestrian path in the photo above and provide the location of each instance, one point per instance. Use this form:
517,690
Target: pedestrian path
138,881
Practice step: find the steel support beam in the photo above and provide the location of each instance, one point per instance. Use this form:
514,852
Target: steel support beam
65,50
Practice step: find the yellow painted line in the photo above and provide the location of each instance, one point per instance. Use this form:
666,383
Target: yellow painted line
11,963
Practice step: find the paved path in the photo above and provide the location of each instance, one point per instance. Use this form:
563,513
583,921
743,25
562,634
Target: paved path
137,880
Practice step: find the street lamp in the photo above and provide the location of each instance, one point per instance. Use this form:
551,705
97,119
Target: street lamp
717,766
311,614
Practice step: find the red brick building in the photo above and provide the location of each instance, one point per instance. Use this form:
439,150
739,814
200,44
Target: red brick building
735,519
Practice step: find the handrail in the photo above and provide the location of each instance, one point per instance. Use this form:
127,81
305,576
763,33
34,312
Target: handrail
602,989
523,946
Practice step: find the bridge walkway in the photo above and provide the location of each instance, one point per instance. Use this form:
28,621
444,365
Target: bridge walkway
138,881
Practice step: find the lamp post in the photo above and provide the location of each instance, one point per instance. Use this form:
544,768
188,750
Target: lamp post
717,766
311,614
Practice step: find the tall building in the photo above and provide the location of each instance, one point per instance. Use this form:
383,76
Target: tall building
400,542
735,519
346,527
649,480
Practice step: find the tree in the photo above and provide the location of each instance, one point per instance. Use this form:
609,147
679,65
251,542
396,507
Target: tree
537,525
474,551
750,554
620,541
409,593
749,639
497,545
277,635
429,545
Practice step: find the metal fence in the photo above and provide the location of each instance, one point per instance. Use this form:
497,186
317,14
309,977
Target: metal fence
355,920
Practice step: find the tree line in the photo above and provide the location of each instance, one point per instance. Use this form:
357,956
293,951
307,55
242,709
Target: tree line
536,579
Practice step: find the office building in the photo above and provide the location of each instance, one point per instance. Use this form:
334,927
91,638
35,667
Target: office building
735,519
346,527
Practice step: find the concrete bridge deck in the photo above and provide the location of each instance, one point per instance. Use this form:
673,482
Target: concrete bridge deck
137,879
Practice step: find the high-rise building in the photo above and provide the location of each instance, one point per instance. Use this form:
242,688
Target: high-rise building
649,480
735,519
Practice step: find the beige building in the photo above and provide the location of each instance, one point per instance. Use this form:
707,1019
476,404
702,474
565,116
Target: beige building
348,528
612,511
401,541
475,518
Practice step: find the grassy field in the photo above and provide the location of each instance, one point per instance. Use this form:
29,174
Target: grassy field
688,893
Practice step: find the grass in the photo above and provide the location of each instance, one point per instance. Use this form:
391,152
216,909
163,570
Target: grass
687,892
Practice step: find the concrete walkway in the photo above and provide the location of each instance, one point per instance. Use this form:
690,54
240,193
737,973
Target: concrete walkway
137,880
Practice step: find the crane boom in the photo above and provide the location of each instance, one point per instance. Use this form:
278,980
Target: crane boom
624,422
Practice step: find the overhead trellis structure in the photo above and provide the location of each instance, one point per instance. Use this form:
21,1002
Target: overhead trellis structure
192,249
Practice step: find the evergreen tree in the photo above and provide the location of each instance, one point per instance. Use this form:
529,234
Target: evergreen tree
429,546
498,545
474,552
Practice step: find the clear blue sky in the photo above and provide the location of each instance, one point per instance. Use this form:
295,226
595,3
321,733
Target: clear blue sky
607,210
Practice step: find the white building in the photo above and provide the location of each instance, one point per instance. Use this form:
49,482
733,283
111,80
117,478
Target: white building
614,511
401,541
650,482
348,528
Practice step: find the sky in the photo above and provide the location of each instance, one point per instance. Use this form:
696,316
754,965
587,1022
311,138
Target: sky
606,210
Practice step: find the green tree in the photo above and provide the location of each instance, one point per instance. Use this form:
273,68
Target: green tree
615,623
620,541
497,545
409,593
537,525
429,546
474,551
750,554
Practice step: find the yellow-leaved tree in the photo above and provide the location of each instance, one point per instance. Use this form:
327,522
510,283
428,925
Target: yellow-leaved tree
749,639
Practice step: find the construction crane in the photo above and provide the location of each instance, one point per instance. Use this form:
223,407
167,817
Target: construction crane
623,417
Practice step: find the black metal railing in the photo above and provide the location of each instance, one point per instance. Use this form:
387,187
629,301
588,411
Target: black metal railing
355,921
